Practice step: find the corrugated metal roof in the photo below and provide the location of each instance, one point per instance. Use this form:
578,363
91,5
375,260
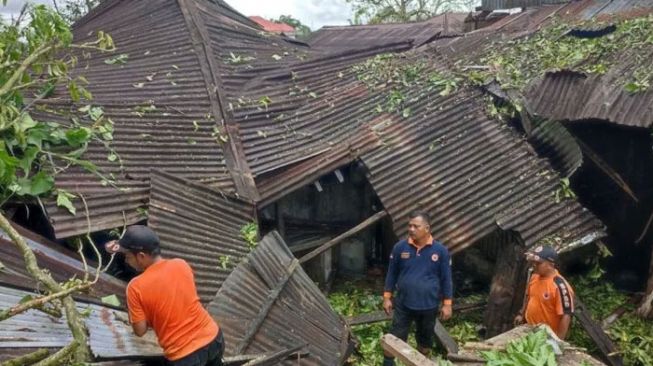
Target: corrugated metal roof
577,97
271,26
340,38
567,94
109,337
509,4
292,313
470,173
60,262
200,225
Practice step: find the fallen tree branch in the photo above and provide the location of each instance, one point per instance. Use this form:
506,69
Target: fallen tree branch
27,359
40,301
60,356
81,351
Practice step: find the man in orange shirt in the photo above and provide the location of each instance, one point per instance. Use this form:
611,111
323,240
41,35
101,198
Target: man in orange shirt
163,297
549,297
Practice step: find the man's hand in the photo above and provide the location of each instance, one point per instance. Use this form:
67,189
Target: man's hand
445,312
387,305
519,320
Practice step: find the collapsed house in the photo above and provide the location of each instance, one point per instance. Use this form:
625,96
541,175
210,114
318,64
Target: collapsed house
331,144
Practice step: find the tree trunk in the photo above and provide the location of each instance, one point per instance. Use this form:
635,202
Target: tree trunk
507,289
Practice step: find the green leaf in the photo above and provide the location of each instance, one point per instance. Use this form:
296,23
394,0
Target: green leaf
112,156
64,200
117,60
28,158
78,136
111,300
38,184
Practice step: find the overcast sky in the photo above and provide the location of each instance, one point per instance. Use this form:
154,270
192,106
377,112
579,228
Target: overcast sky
314,13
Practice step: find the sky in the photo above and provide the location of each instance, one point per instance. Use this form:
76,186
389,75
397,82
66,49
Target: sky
313,13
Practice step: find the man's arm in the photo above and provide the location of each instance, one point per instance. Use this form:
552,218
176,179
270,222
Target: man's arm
446,284
564,326
390,280
564,306
136,312
140,328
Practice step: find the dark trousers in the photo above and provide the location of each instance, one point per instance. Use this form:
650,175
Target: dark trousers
424,324
209,355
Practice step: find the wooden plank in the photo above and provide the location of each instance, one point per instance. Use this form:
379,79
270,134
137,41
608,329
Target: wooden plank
444,338
609,352
401,350
265,308
351,232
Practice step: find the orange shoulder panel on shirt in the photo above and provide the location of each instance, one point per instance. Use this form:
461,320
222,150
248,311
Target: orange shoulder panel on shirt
165,296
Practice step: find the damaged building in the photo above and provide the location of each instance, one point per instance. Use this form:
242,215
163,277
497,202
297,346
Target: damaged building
327,146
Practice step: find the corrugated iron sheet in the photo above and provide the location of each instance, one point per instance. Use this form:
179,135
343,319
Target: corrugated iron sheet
61,263
300,314
509,4
334,39
470,173
571,96
200,225
109,337
159,102
551,139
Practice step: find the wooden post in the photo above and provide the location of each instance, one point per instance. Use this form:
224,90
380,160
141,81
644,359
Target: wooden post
507,289
338,239
645,309
401,350
444,338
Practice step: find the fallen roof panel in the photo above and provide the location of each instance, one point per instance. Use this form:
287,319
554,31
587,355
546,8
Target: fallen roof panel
109,336
200,225
268,303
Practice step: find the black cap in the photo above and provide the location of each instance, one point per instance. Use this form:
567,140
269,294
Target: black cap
543,253
139,237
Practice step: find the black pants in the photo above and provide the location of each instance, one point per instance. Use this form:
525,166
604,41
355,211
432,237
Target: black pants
424,324
209,355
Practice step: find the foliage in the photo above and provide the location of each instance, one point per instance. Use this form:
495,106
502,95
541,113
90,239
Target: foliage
530,350
515,63
633,335
249,233
302,31
35,57
391,11
564,191
397,76
72,10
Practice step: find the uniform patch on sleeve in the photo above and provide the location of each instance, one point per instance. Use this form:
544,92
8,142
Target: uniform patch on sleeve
405,255
565,296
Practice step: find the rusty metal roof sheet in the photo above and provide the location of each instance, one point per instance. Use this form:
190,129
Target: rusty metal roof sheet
200,225
340,38
268,303
60,262
109,337
471,173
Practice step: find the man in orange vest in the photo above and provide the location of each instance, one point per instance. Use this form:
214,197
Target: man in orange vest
163,297
549,297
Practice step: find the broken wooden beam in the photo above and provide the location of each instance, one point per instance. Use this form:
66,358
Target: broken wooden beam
338,239
609,352
401,350
607,169
265,309
444,338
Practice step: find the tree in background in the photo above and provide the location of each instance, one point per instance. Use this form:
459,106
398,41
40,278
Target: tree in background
72,10
37,56
302,31
402,11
